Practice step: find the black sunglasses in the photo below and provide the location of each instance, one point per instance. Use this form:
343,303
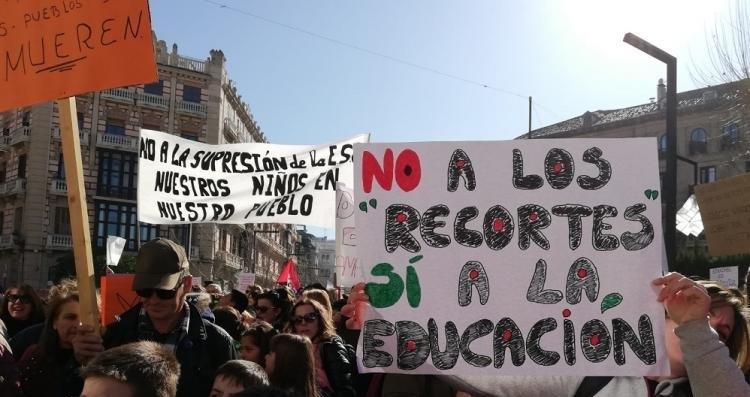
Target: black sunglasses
307,318
19,298
163,294
262,309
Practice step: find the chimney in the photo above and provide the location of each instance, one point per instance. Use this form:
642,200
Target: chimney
661,93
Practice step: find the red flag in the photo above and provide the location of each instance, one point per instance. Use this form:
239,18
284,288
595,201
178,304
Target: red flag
289,275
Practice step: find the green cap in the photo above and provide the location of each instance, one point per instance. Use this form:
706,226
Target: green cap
161,264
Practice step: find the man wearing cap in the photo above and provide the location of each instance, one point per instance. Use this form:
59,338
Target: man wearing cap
163,316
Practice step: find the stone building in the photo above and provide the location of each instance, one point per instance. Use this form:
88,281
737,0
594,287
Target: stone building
712,135
194,99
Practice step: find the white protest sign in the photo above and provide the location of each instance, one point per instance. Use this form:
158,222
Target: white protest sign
728,276
182,181
244,280
348,272
529,257
115,245
197,280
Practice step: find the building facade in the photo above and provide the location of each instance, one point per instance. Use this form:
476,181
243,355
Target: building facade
712,135
194,99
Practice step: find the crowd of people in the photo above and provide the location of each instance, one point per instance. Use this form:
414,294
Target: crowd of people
183,340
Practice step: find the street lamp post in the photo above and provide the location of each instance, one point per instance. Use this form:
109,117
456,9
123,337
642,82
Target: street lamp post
670,184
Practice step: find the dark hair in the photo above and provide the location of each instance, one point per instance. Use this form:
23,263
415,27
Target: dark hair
338,304
262,391
326,330
49,342
279,298
230,320
260,333
243,373
239,300
149,368
37,311
294,367
314,286
737,343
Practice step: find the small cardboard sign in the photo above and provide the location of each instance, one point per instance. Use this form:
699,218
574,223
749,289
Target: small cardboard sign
117,296
54,49
725,211
727,275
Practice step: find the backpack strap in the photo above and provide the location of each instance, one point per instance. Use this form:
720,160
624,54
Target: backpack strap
592,385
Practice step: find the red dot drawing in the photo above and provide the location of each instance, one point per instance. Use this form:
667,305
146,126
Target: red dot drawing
459,163
473,274
410,345
401,217
595,340
557,167
498,225
533,216
507,335
566,313
582,273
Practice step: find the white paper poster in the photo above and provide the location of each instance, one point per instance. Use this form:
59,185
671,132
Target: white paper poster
244,280
348,272
527,257
729,276
115,246
182,181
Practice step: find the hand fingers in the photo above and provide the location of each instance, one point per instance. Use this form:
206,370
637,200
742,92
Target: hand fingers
669,277
684,286
348,310
352,323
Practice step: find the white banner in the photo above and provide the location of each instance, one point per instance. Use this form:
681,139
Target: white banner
348,271
182,181
527,257
244,280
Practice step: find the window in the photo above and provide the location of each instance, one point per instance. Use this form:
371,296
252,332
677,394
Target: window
662,145
191,94
62,221
26,119
21,166
708,174
117,174
115,127
178,234
80,116
60,167
698,139
730,136
747,166
154,88
117,219
17,220
3,166
189,135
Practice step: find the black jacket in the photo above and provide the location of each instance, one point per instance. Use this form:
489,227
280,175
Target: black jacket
338,367
204,349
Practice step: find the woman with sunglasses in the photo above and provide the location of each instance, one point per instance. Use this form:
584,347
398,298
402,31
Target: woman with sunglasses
333,368
273,308
49,368
21,308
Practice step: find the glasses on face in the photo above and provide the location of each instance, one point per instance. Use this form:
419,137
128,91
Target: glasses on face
262,309
25,299
163,294
307,318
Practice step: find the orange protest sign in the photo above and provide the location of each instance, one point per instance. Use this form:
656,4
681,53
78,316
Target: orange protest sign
59,48
117,296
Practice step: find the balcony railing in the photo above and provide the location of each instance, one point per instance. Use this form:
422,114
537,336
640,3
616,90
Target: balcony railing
6,241
4,142
83,135
123,95
20,135
119,142
276,247
230,260
193,64
153,101
16,186
59,187
231,131
59,241
193,108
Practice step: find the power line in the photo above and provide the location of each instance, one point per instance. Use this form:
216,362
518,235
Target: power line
365,50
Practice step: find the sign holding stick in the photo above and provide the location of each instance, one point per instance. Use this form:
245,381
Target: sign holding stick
526,257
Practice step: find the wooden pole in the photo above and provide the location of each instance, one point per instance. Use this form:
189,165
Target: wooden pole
79,216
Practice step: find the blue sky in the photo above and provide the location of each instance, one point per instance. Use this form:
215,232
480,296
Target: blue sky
568,55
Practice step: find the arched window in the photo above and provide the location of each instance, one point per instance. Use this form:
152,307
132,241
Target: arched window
730,135
698,139
663,144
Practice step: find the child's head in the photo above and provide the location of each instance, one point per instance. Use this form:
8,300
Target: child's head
290,364
237,375
255,341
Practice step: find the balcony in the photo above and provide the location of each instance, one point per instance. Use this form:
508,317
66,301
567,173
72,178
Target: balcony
20,135
5,143
272,244
230,260
192,108
58,187
17,186
6,242
153,101
59,242
83,135
122,95
193,64
231,131
118,142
